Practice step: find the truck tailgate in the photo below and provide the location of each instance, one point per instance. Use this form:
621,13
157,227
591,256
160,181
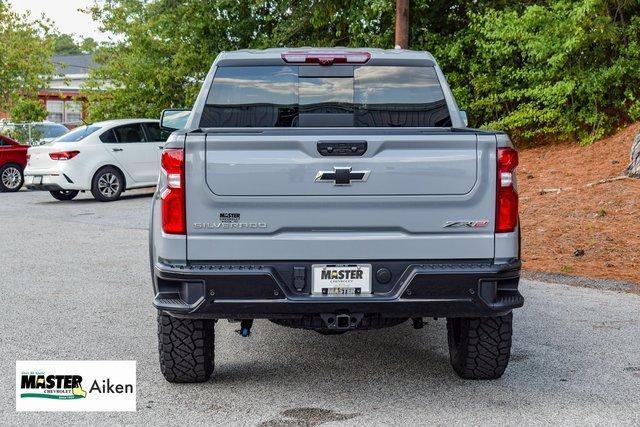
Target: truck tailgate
403,165
427,196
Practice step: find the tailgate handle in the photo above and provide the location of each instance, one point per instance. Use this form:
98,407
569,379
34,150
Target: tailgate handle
342,148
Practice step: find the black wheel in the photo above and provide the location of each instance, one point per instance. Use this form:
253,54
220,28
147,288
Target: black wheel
479,347
64,194
107,184
186,348
11,178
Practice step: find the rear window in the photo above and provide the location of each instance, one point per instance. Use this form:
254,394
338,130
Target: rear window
373,96
77,134
51,130
252,97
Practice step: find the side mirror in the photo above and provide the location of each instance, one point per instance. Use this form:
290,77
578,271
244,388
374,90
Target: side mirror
174,119
464,118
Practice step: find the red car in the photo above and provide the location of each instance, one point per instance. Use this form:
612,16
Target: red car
13,159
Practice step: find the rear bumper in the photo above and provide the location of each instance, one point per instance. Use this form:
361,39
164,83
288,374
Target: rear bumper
473,288
45,187
50,182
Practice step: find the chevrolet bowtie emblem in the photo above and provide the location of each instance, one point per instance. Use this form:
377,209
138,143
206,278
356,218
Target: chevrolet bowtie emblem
342,176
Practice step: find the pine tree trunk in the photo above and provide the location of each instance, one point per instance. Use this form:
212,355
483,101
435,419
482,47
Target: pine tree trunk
634,167
402,24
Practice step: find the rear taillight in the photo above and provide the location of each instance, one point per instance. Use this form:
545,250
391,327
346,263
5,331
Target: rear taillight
506,195
63,155
172,195
323,57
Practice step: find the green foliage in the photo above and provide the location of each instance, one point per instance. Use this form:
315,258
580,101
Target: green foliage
88,45
24,113
567,69
28,110
65,44
25,56
167,47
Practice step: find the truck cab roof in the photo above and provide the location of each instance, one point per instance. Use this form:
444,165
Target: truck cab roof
274,56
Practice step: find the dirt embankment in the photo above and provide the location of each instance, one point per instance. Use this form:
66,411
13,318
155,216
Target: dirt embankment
571,222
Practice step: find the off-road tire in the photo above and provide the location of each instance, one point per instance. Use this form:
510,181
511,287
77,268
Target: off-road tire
64,195
186,348
479,347
11,178
116,187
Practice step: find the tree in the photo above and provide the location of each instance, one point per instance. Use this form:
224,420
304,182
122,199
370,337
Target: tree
566,70
402,24
88,45
540,69
165,47
64,44
27,110
164,52
25,56
633,170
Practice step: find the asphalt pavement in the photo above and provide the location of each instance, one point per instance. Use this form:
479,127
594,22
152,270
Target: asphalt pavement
76,285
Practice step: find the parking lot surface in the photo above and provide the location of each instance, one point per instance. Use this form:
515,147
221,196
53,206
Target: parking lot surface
76,285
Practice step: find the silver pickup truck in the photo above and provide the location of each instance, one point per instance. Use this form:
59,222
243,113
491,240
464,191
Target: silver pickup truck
333,190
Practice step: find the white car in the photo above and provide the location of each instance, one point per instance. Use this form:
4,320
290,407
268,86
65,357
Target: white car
105,158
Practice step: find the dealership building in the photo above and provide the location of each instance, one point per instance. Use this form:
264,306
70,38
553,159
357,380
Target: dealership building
62,97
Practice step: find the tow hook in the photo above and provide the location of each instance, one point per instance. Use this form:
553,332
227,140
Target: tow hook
245,328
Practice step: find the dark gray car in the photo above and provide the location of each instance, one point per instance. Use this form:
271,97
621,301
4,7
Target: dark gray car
333,190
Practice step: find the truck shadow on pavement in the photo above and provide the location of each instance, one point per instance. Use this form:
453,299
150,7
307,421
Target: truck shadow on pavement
399,358
303,357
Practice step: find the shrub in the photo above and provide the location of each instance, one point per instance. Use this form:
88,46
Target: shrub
569,70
